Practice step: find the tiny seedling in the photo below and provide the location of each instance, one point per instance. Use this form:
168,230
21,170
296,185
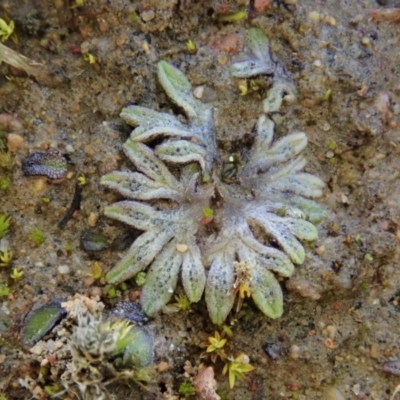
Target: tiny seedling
90,58
6,30
237,368
4,225
5,258
140,278
215,346
4,183
4,289
186,389
237,16
182,302
6,160
37,236
82,180
191,46
16,274
96,272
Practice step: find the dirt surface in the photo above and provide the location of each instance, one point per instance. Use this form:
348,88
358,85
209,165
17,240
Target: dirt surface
341,319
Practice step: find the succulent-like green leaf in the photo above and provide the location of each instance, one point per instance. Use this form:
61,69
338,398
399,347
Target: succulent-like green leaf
140,350
259,44
311,209
161,279
135,185
300,183
261,63
302,229
284,237
146,162
140,255
219,286
179,89
193,274
266,293
279,90
267,257
139,215
182,151
41,321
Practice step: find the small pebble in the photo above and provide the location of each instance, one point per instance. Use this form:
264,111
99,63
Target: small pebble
198,92
317,63
314,16
273,350
330,21
163,366
229,43
69,149
14,142
333,393
147,15
365,41
63,269
92,219
181,247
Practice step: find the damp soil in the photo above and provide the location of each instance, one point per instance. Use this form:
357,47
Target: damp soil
342,306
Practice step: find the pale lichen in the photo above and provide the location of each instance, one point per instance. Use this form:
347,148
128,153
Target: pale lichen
262,213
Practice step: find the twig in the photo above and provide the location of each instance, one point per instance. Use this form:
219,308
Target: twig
39,71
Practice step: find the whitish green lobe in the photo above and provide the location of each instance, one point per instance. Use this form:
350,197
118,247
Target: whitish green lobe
219,286
161,279
261,63
266,292
193,273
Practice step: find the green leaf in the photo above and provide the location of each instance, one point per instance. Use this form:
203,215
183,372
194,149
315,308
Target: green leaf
282,234
139,215
146,162
220,280
135,185
161,279
139,256
179,89
193,274
302,229
140,350
266,292
182,151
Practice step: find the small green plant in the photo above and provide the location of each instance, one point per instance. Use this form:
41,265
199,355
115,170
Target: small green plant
6,160
215,347
191,46
237,368
186,388
4,225
16,274
4,183
68,247
90,58
111,292
237,16
182,302
96,272
5,258
37,236
140,278
4,289
82,180
6,30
